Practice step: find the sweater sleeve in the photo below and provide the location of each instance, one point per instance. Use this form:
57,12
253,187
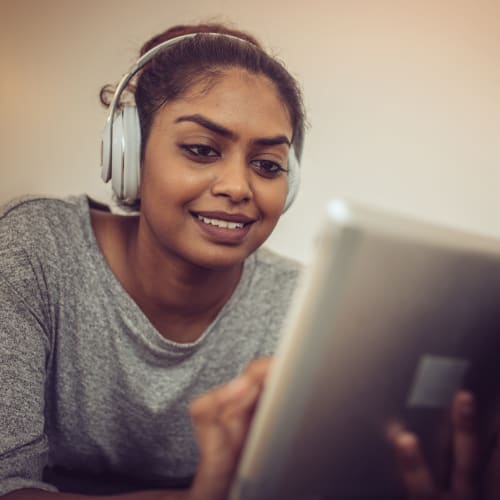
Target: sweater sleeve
24,354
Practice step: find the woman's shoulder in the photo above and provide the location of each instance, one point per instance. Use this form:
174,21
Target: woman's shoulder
38,227
36,211
39,238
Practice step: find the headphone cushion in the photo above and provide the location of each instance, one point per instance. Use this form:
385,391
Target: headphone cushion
131,153
117,165
125,157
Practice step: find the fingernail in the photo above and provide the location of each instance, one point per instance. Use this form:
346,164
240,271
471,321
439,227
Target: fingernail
408,447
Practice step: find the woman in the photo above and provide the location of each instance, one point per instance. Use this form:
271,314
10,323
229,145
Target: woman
111,324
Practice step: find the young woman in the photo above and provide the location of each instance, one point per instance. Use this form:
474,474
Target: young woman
111,325
133,348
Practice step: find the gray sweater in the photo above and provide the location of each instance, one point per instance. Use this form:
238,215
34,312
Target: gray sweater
88,387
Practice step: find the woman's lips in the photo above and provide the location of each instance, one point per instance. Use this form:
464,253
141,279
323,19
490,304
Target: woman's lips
224,227
226,216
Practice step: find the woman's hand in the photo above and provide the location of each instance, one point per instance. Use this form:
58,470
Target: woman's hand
464,479
221,420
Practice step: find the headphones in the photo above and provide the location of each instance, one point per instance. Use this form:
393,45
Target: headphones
121,138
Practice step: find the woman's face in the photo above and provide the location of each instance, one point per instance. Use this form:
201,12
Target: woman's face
214,179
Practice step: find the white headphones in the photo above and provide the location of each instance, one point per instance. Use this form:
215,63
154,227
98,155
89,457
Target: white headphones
121,138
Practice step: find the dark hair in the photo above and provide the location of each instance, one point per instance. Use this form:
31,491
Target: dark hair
202,59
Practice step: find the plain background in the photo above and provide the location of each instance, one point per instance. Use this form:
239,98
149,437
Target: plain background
403,98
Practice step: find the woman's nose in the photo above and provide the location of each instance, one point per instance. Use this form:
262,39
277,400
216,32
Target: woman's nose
233,180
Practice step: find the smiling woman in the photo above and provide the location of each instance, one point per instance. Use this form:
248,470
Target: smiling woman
121,333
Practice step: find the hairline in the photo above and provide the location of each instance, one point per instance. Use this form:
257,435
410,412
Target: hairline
208,79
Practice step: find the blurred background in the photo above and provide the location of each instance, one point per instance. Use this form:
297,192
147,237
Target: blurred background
403,98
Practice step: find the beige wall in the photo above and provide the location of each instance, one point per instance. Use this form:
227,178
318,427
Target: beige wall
403,98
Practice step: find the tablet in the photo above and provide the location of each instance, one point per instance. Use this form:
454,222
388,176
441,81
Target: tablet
392,317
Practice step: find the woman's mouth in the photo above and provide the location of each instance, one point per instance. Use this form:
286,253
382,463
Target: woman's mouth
223,228
221,223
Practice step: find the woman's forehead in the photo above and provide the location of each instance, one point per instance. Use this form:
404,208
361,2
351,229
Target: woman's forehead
237,97
226,80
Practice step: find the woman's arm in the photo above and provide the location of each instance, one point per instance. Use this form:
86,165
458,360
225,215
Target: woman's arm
24,348
221,419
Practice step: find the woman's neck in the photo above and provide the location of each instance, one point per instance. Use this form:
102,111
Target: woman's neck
179,298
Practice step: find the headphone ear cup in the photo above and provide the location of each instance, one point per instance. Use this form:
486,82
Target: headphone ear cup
131,153
293,178
125,154
117,160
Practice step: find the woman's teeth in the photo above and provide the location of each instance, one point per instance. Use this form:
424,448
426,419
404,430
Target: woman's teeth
221,223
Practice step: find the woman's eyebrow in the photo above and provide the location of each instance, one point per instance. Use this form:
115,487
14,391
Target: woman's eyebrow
209,124
225,132
273,141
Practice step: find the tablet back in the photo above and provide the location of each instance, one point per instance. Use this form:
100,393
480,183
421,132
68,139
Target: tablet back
393,316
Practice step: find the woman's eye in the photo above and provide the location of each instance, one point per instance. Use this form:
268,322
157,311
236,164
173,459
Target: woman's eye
268,168
201,151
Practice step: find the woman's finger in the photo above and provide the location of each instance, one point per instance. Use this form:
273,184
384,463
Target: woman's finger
258,369
239,395
414,472
212,430
221,419
465,447
252,381
222,416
